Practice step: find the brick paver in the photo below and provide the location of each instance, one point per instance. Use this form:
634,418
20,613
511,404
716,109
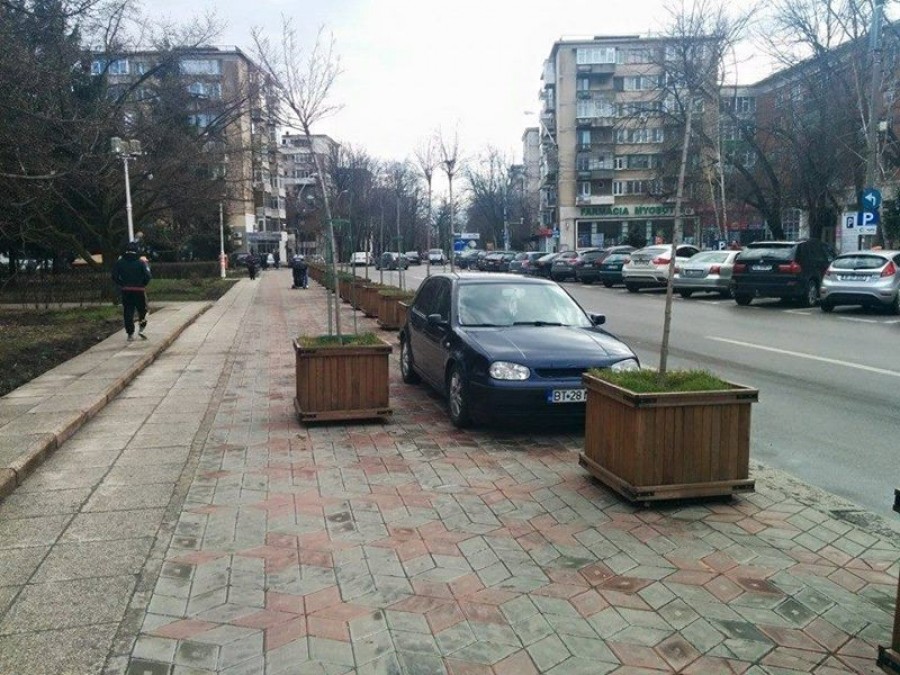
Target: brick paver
414,547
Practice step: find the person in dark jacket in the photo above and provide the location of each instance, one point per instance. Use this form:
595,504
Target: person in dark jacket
299,270
132,274
252,265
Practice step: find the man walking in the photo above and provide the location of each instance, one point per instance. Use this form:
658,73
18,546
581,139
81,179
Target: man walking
131,274
299,270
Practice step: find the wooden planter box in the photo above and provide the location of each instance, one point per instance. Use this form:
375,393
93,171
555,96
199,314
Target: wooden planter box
389,312
342,383
370,301
344,289
889,657
650,447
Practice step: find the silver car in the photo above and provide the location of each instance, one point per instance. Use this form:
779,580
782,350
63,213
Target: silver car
706,272
867,278
649,267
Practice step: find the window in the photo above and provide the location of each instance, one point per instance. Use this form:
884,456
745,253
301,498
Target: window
113,67
595,108
206,89
641,82
426,299
639,108
584,84
584,188
592,55
640,135
141,67
635,187
635,56
201,120
584,137
620,162
200,67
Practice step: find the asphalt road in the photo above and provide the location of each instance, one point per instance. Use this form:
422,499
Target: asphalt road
829,408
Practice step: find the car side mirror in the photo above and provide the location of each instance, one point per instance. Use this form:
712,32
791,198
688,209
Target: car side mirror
438,321
597,319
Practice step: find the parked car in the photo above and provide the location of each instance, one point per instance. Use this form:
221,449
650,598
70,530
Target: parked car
790,270
867,278
706,272
505,347
543,265
649,267
391,260
523,261
413,257
436,256
610,267
360,258
498,261
478,262
588,271
565,264
462,259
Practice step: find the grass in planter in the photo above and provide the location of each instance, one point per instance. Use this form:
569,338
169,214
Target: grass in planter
397,293
361,340
645,381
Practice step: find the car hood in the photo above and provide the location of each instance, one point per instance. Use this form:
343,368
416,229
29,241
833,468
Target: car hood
549,346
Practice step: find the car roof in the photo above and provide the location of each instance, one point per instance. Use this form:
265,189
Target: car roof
888,253
488,278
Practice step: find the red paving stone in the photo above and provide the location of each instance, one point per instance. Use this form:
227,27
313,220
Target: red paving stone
184,629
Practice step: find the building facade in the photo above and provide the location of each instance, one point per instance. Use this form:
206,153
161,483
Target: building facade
221,81
298,162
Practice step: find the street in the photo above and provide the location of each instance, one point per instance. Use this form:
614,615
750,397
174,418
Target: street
828,384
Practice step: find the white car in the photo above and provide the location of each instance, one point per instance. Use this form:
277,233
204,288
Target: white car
649,267
436,256
361,258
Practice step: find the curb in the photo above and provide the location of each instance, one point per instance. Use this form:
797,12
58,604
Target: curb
44,444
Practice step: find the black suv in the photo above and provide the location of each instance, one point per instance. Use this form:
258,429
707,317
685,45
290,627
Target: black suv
790,270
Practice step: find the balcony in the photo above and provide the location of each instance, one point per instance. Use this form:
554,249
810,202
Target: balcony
595,200
584,147
596,68
596,174
584,94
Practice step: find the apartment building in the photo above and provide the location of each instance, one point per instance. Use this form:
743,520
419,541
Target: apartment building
298,157
604,137
220,78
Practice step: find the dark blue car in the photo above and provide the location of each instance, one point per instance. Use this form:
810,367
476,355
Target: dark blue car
505,348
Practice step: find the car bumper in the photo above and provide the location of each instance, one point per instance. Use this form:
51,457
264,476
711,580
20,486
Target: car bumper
873,297
790,288
522,400
645,277
715,284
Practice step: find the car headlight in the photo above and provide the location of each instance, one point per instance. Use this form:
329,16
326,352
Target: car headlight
626,364
504,370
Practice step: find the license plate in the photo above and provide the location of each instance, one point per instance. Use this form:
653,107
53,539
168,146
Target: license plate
693,273
642,263
567,396
761,268
852,277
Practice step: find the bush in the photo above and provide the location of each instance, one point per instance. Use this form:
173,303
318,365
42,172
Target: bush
185,270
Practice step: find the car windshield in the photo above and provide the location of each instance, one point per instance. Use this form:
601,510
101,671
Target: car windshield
711,257
769,251
510,304
859,262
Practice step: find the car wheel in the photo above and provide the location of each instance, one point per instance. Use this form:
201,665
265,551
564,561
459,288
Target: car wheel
743,300
457,399
894,307
811,297
407,372
631,288
685,294
607,284
826,306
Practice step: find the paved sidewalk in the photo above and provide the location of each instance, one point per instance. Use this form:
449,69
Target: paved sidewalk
231,539
39,416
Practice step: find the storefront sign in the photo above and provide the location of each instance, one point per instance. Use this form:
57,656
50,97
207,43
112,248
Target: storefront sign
642,210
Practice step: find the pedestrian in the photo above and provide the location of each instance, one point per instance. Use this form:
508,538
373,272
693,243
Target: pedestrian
132,274
299,269
251,266
277,257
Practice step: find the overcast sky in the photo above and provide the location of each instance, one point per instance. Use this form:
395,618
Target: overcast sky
413,66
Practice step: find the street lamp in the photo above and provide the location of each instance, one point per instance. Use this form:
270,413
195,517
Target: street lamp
126,149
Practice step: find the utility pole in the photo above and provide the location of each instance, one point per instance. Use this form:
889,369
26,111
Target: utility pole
874,86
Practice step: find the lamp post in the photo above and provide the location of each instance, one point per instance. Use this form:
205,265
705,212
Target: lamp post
125,150
221,242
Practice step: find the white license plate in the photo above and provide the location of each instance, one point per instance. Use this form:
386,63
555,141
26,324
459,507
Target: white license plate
761,268
567,396
852,277
642,263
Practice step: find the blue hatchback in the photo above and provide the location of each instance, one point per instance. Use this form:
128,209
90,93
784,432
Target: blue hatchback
505,348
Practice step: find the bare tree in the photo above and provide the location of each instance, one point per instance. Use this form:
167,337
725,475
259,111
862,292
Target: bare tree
487,180
697,41
427,161
302,83
450,163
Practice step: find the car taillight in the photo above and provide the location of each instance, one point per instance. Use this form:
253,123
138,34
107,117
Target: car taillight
715,269
739,267
661,261
889,270
790,268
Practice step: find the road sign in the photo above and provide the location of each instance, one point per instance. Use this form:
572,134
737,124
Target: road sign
870,199
468,235
556,232
863,222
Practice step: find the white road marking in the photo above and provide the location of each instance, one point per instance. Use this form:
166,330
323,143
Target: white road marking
811,357
801,312
850,318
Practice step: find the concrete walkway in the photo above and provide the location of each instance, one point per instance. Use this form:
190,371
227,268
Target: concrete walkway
193,526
